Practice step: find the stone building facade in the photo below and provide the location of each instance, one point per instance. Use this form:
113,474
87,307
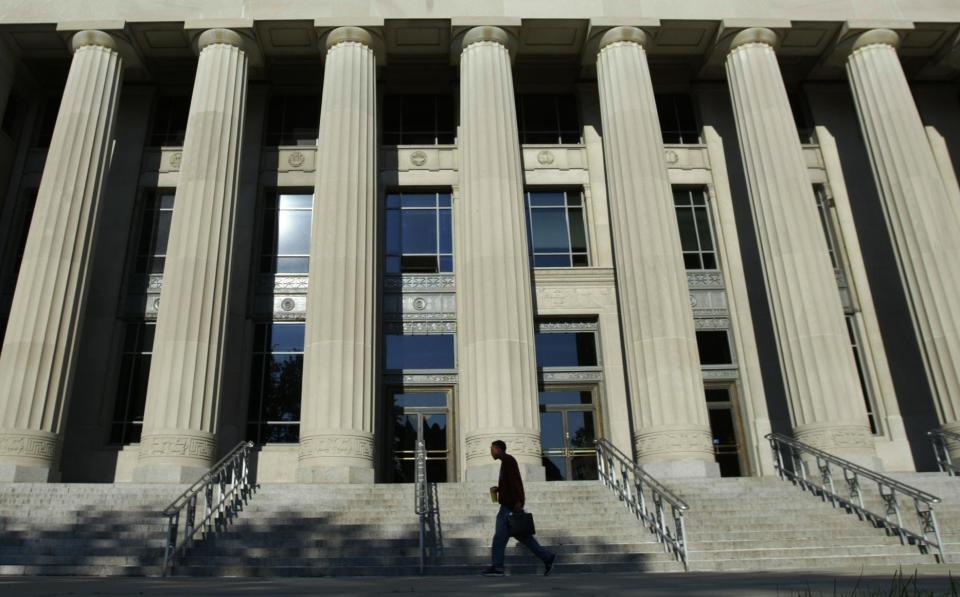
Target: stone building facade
334,228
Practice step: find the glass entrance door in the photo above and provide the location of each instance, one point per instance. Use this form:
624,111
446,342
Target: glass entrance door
723,427
567,432
420,415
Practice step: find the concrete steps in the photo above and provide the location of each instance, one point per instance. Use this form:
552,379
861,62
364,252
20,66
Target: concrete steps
314,530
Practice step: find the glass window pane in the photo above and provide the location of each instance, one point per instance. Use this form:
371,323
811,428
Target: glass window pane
703,229
555,468
393,232
293,233
418,114
419,352
568,115
446,231
431,399
419,231
709,261
688,231
565,397
578,232
692,261
424,264
551,430
295,201
391,113
446,113
714,348
547,198
446,264
551,261
291,265
418,199
550,230
566,349
581,429
286,337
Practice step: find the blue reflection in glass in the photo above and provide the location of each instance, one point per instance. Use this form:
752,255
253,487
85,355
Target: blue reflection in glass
286,337
550,230
419,234
419,352
566,349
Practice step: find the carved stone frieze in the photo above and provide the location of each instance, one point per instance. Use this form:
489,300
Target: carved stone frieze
419,282
572,376
711,323
831,437
189,446
567,326
38,445
445,379
587,298
720,374
704,279
673,441
420,327
336,445
518,444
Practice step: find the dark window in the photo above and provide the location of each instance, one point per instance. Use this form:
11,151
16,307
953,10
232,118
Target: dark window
548,119
419,233
292,120
861,373
12,252
418,120
48,121
714,347
169,120
556,231
427,351
132,387
823,208
565,397
678,119
275,382
13,115
154,231
285,240
801,116
566,349
696,233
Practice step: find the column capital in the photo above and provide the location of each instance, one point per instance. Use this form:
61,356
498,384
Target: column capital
486,33
93,37
755,35
887,37
349,34
219,36
624,34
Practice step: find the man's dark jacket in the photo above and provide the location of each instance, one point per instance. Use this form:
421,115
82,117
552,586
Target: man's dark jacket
510,485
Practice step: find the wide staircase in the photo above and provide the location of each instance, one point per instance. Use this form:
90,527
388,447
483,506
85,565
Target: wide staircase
82,529
763,523
314,530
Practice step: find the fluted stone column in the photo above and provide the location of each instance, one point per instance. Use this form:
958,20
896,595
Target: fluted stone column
337,411
671,428
36,364
495,342
818,368
183,392
924,225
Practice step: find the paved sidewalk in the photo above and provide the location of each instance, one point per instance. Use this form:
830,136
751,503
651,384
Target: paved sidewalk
935,580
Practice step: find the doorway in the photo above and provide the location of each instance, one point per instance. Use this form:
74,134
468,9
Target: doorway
420,414
568,429
725,431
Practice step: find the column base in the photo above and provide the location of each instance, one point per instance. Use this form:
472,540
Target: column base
683,468
22,473
174,474
333,473
174,456
953,447
848,441
491,472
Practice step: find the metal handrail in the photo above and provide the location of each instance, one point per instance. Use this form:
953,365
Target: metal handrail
224,489
788,456
420,506
631,482
940,440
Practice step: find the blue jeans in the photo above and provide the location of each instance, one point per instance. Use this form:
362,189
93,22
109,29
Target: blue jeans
502,535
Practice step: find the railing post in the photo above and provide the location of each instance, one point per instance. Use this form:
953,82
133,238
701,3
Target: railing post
188,525
173,525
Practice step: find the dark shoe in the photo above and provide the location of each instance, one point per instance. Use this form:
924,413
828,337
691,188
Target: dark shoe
549,565
491,571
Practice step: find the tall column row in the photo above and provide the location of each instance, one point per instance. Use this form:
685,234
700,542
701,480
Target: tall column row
671,428
183,393
819,372
39,348
923,222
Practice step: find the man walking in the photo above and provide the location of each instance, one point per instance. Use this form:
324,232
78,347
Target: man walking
510,495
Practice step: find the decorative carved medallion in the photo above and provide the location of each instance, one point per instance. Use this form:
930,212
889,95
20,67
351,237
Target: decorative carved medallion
671,156
288,304
545,157
175,159
156,304
418,158
296,159
419,304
